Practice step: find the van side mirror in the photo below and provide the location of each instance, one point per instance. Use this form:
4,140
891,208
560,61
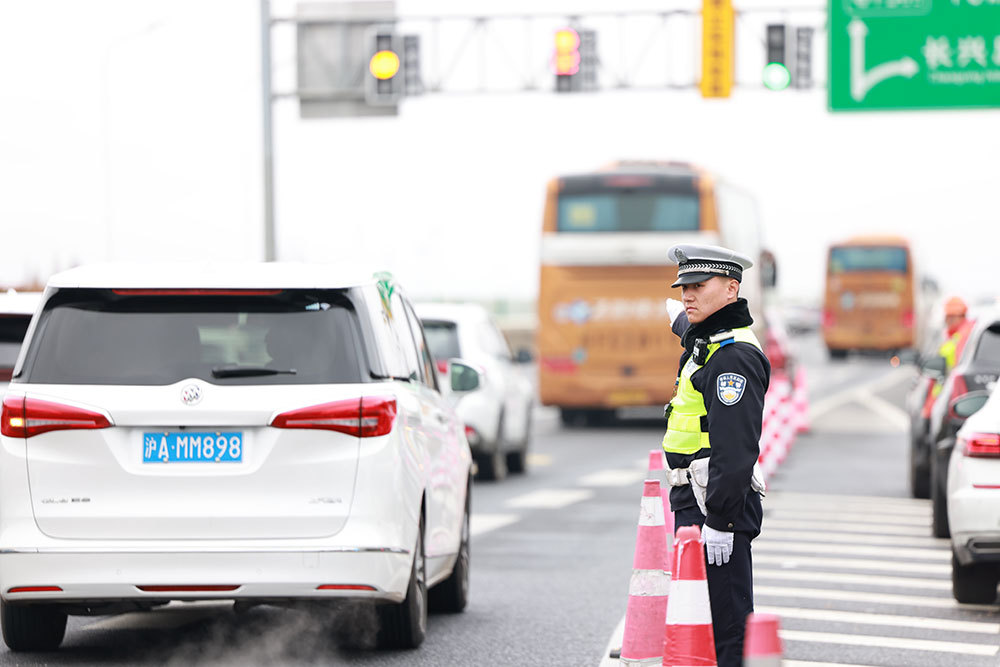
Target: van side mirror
934,367
969,404
523,356
463,376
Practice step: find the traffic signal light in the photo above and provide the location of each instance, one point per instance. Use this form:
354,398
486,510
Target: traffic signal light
776,74
384,83
574,60
566,59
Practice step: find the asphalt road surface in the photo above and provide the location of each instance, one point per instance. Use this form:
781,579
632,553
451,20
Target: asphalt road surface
845,558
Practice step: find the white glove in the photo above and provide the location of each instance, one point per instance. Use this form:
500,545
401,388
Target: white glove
674,308
718,544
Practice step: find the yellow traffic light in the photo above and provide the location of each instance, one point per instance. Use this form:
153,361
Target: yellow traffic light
384,65
566,60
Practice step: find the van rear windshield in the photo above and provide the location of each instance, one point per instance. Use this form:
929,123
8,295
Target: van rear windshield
125,337
849,259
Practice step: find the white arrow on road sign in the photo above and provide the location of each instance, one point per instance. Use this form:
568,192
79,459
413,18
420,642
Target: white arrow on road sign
862,81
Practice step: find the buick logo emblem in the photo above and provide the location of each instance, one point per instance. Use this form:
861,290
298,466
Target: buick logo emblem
191,394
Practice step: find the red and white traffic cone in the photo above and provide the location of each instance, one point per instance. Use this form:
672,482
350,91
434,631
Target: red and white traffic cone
642,641
689,640
657,467
800,397
762,645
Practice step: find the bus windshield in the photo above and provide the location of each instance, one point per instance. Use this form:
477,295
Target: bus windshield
628,210
849,259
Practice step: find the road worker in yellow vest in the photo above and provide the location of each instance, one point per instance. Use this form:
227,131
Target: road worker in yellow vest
713,430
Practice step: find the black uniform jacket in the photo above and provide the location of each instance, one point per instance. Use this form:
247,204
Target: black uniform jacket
734,430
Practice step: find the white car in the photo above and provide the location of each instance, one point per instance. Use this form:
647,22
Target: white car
974,499
255,432
497,415
16,309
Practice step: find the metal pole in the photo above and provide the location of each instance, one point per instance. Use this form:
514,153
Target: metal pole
270,253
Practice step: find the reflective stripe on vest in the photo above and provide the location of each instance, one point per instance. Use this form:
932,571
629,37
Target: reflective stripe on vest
685,434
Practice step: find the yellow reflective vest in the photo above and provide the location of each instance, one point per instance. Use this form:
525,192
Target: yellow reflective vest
687,418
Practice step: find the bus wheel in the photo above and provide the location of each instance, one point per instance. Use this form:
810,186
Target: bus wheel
838,354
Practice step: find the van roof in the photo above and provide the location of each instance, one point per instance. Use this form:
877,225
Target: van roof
216,275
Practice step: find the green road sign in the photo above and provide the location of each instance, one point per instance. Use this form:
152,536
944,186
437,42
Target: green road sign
914,54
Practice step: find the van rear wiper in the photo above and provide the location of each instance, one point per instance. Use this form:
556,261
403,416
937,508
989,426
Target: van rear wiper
248,371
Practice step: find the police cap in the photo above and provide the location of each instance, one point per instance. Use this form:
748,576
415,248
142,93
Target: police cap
697,263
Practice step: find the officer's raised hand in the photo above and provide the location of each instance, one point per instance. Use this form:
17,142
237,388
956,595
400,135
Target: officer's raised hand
718,545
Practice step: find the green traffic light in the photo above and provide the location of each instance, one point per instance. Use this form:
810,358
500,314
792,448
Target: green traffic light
776,76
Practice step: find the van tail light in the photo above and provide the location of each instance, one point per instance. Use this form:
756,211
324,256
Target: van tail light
361,417
23,417
908,319
472,435
828,319
982,445
442,365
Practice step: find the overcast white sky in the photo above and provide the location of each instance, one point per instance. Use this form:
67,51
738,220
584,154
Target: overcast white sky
132,130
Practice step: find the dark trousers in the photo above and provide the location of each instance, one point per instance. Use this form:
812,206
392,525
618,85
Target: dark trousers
730,592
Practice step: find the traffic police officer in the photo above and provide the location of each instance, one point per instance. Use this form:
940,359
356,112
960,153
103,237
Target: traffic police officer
713,429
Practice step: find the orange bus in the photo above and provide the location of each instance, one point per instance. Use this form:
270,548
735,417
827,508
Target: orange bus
604,339
872,297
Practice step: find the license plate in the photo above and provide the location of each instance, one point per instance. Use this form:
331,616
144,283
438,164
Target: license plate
628,397
192,447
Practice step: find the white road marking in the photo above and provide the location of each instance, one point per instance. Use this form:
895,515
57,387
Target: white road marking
809,562
613,478
779,535
889,642
818,408
856,579
549,498
800,498
484,523
846,527
537,460
862,618
849,503
806,663
887,552
895,416
825,595
873,517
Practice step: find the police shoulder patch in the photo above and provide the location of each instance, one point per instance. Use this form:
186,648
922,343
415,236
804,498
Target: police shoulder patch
731,387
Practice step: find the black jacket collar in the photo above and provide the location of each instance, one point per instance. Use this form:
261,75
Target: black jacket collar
730,316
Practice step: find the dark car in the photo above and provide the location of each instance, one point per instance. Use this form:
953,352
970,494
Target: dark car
966,388
16,309
931,366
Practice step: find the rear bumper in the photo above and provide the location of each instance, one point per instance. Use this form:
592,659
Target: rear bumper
853,340
117,574
976,548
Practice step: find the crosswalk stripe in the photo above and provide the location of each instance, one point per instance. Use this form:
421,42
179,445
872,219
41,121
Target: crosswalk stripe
922,509
847,527
807,663
826,594
888,642
549,498
612,478
917,622
888,552
856,579
801,562
837,499
852,517
778,534
484,523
